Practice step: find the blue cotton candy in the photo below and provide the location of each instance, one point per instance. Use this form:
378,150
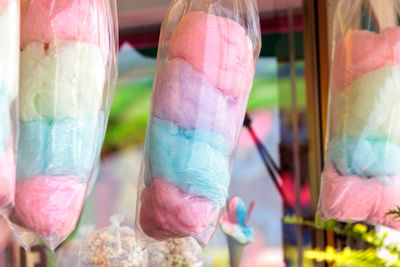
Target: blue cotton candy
60,147
364,156
241,215
5,122
196,161
241,212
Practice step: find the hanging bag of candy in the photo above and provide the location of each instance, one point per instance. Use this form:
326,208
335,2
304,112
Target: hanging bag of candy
361,177
67,77
206,60
9,59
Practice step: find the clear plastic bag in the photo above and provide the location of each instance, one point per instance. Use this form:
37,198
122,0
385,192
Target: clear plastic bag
361,178
68,71
9,58
206,60
112,246
175,252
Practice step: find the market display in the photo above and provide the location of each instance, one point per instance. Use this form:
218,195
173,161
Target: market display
202,84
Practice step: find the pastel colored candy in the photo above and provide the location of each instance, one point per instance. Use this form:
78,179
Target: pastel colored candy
65,79
364,156
60,147
193,160
185,97
5,122
49,205
242,234
237,210
7,177
360,52
370,106
9,47
47,21
217,47
175,212
232,222
147,222
359,199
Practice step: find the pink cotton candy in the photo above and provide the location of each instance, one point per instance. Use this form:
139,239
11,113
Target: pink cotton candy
67,20
7,177
174,211
236,204
217,47
49,205
360,52
359,199
178,208
149,225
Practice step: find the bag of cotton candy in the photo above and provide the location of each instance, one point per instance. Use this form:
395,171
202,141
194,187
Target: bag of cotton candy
67,77
205,67
9,58
361,178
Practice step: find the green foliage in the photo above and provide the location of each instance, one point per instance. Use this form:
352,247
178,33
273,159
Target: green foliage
347,256
395,213
128,115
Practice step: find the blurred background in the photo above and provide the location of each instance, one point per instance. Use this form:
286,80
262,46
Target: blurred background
277,108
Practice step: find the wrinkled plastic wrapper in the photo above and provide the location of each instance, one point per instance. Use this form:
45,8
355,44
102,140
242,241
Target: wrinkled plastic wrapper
112,246
175,252
9,59
205,67
68,69
361,177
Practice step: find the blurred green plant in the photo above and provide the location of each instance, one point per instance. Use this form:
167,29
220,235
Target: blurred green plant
128,115
395,213
348,256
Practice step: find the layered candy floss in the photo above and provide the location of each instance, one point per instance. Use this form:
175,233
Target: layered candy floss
199,101
360,179
9,18
65,49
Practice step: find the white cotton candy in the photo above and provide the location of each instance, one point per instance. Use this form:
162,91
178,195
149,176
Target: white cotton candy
370,106
63,80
